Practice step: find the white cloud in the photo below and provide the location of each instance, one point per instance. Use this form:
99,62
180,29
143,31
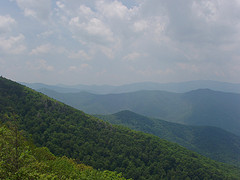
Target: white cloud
107,51
74,21
12,44
60,5
132,56
80,68
92,32
84,66
72,68
153,27
152,36
188,67
39,65
205,9
42,49
82,55
140,25
148,71
97,27
217,11
6,23
112,9
93,27
86,11
45,34
37,9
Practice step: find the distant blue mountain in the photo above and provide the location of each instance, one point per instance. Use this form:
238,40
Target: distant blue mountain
199,107
171,87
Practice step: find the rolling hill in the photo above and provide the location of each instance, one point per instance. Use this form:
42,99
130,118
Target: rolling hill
212,142
67,131
199,107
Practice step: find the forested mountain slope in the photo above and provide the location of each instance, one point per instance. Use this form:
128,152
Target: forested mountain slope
200,107
67,131
20,159
212,142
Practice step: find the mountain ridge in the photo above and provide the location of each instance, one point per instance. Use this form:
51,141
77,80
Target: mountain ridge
209,141
67,131
197,107
179,87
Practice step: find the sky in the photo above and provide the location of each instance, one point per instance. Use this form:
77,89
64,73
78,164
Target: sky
119,41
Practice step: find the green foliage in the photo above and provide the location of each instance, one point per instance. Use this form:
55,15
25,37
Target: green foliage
212,142
39,163
17,161
72,133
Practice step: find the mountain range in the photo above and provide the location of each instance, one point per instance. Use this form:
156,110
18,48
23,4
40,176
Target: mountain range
179,87
203,107
210,141
72,133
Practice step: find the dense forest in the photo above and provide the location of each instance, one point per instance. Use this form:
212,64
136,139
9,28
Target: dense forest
74,134
20,159
212,142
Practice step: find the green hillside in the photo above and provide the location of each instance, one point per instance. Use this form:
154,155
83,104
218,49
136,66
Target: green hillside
20,159
212,142
70,132
200,107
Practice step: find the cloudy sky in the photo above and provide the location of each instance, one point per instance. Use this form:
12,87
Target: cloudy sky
119,41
